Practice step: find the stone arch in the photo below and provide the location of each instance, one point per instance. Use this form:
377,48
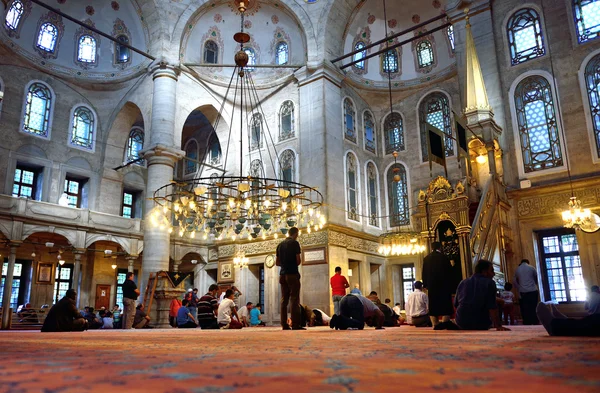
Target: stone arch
115,139
331,31
121,241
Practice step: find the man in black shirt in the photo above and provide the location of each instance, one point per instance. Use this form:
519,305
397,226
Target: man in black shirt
64,316
130,295
437,271
288,257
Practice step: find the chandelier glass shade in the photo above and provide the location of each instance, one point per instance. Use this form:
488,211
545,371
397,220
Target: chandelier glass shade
399,243
237,206
576,217
240,260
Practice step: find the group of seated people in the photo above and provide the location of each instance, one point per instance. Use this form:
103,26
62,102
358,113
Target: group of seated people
207,312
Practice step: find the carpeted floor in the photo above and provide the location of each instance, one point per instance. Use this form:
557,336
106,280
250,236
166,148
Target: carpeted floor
320,360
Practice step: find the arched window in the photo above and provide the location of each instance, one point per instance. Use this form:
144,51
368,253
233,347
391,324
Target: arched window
286,120
398,195
191,151
214,152
537,125
251,59
372,191
525,39
47,36
352,187
135,144
211,52
425,54
13,15
37,110
369,132
287,162
450,35
389,61
360,55
393,133
122,53
349,125
435,110
256,131
592,85
282,53
256,171
82,128
86,51
587,19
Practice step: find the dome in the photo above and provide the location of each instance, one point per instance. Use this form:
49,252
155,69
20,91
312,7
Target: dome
424,60
118,18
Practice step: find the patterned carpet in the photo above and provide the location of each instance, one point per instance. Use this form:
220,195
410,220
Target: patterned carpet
319,360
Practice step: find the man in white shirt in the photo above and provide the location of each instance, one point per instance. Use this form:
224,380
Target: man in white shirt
417,307
397,309
593,304
227,311
526,283
244,314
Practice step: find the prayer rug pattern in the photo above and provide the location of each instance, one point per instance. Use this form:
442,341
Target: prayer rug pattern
318,360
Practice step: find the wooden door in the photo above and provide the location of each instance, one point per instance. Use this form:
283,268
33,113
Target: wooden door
102,296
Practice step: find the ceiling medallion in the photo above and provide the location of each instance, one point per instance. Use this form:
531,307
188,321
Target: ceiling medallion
239,206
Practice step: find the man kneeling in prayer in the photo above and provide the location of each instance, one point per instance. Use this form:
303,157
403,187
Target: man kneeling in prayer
355,311
475,300
64,316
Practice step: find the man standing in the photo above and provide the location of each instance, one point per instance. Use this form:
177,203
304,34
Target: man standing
476,300
288,257
526,283
436,273
417,307
130,295
338,289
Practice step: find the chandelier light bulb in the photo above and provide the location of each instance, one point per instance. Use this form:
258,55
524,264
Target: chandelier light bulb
481,159
61,262
193,234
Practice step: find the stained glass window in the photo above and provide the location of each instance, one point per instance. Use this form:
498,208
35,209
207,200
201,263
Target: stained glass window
82,133
73,191
525,39
215,152
389,62
86,52
372,189
24,183
123,53
191,151
286,120
360,55
47,37
394,133
282,53
349,115
128,202
450,35
287,163
135,144
256,132
351,185
592,84
369,132
37,110
62,280
13,15
398,195
425,54
435,110
563,278
587,19
251,59
211,52
538,126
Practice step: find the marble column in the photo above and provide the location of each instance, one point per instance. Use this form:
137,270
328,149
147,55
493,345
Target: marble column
77,253
8,282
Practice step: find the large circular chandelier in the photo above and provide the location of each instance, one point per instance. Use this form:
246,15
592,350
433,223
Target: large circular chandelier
238,207
400,243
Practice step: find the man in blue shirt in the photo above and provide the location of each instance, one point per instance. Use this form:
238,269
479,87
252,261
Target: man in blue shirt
288,257
475,300
255,318
185,319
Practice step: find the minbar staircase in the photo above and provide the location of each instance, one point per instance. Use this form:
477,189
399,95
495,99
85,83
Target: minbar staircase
491,236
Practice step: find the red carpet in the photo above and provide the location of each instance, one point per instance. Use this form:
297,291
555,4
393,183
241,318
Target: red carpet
320,360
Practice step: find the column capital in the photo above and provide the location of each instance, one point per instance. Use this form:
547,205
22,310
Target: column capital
162,155
79,251
162,69
314,72
15,243
132,257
